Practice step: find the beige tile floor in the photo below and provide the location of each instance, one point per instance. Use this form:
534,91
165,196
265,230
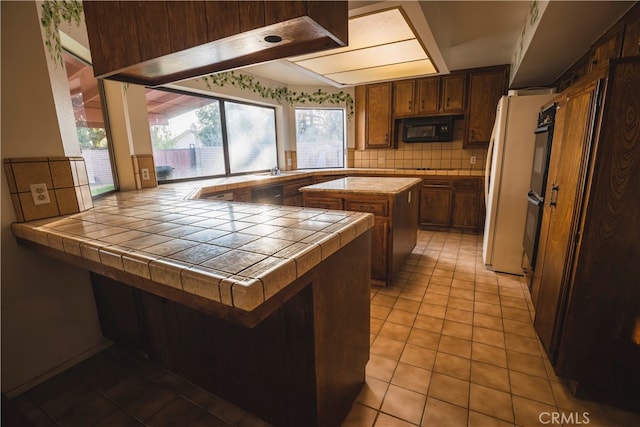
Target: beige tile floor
452,344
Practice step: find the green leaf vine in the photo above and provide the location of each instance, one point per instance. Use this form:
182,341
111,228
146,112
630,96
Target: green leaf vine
54,12
279,94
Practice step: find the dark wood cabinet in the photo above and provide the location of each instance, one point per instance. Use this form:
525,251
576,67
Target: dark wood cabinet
291,191
631,40
454,91
486,86
403,97
427,96
587,277
378,116
430,95
436,200
607,47
394,232
467,204
452,203
157,42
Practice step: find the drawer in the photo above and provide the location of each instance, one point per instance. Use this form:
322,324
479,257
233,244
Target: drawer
470,183
376,207
437,183
323,203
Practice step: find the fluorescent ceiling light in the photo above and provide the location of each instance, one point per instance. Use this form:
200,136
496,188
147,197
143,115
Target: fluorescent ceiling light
382,46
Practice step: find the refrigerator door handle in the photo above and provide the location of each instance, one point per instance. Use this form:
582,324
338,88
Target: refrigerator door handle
487,167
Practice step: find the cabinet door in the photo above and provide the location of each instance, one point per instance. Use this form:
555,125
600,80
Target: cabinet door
607,47
572,138
428,95
485,89
466,209
435,206
453,93
631,41
378,123
379,248
403,98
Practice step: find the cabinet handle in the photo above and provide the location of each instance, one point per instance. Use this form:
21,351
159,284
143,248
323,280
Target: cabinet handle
422,101
447,104
410,105
554,195
386,137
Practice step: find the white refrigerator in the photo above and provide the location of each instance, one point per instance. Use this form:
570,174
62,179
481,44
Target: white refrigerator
507,179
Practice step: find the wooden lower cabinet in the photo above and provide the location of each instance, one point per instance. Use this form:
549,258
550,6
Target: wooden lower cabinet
379,248
436,200
291,191
302,364
452,203
394,233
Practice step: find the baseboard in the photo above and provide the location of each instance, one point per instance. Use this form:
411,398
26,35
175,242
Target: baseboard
16,391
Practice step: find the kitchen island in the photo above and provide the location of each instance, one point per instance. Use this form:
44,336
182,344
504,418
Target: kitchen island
265,306
393,201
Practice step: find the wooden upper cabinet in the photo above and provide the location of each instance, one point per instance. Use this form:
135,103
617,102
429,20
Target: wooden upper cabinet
427,96
609,46
631,40
486,86
453,93
403,97
430,95
158,42
378,116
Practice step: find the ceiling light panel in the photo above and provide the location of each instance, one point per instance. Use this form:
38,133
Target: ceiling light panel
382,46
386,72
393,53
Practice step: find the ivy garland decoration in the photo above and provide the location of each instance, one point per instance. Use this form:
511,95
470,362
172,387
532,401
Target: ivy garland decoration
54,12
279,94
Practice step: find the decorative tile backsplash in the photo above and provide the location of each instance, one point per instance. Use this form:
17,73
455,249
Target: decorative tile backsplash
144,171
43,187
440,155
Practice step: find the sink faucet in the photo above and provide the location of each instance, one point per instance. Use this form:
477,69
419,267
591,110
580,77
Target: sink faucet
275,170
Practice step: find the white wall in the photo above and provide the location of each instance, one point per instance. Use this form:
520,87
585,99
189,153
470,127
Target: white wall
47,310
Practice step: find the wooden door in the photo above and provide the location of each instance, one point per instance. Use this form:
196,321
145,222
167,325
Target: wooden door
403,98
563,198
485,89
378,123
453,93
427,95
607,47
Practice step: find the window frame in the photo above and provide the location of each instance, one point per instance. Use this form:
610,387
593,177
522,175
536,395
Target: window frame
344,135
225,139
107,125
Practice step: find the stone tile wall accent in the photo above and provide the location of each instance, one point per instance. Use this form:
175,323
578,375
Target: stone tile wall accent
66,181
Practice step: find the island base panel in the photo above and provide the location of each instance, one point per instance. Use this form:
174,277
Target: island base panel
302,365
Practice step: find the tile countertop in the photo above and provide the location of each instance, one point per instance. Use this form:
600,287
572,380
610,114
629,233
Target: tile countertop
237,255
364,185
215,185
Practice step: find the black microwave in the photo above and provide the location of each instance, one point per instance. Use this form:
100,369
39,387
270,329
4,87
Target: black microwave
427,129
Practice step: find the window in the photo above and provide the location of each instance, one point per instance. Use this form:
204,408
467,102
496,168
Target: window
86,97
320,138
197,136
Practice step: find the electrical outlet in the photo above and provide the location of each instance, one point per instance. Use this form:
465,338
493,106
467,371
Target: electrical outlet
145,173
289,161
381,160
40,194
473,160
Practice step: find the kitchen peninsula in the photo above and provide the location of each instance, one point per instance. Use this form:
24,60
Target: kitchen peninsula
393,201
266,306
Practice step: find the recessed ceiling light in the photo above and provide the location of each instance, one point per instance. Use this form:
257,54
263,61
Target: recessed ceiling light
273,39
382,46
